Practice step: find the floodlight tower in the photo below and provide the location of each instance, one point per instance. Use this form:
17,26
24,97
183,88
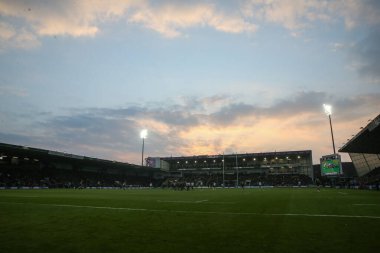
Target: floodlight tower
328,111
237,171
143,135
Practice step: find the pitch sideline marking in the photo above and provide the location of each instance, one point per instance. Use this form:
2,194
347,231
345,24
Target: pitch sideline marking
365,204
182,201
20,196
219,202
202,212
194,202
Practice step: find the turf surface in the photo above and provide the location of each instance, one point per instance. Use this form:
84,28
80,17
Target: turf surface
221,220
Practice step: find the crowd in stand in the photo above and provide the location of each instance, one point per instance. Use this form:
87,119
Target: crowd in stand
63,179
37,177
34,177
371,180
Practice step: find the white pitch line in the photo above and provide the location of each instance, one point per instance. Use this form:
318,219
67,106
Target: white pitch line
182,201
202,212
194,202
365,204
221,203
100,207
20,196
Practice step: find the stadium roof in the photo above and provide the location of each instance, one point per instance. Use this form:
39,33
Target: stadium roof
43,154
262,154
366,141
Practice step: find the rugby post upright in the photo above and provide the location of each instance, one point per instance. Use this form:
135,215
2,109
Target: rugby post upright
223,169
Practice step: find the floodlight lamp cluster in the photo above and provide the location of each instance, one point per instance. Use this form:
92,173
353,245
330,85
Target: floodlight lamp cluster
328,109
143,133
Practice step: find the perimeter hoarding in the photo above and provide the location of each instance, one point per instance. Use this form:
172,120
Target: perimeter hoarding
331,165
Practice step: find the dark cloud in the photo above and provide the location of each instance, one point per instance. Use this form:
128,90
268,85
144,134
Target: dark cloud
181,117
358,106
128,111
298,103
16,139
116,129
367,55
178,115
99,128
232,112
102,132
204,103
374,4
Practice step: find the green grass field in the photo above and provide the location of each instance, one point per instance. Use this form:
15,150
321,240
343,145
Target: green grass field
221,220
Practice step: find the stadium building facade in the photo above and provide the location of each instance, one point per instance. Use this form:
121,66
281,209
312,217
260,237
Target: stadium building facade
270,163
364,149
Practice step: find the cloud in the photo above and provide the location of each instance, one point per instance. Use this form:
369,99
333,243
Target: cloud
11,37
301,14
170,20
233,112
293,123
297,104
81,18
291,14
335,47
12,91
25,22
73,18
357,13
366,56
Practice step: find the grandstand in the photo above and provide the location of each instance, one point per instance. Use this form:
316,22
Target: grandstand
28,167
364,149
272,168
22,166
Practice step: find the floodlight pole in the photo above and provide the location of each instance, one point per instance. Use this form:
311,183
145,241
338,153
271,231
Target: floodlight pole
237,173
142,153
143,135
332,134
328,112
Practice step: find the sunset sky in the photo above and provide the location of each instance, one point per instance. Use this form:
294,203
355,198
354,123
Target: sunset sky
204,77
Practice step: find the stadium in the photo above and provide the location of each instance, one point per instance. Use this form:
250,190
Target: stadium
166,126
266,202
